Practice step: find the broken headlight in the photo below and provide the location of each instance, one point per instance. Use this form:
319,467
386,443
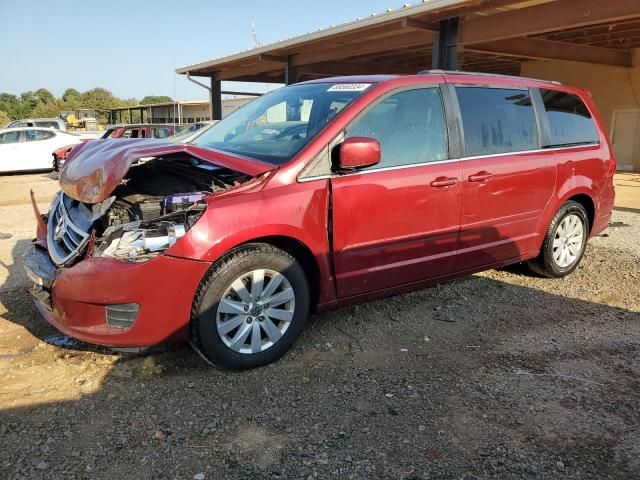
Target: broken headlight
142,240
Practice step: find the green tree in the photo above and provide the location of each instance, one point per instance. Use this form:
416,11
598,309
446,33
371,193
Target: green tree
28,102
71,95
45,96
47,110
98,99
10,104
4,118
155,99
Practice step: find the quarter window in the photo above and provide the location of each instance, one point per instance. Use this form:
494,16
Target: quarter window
570,122
409,126
497,120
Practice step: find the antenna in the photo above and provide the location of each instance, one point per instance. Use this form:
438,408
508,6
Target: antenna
253,33
174,93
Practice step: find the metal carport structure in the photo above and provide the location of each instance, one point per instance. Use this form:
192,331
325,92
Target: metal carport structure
495,36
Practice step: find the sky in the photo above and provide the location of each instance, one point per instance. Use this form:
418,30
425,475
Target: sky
132,48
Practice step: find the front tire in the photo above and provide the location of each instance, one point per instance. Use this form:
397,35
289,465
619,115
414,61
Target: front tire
564,243
250,308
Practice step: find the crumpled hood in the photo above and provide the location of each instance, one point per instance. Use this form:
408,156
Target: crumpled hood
94,169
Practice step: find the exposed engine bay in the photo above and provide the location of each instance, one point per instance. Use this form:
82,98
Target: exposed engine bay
154,205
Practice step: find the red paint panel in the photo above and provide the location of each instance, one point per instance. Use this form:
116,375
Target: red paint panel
500,213
94,169
163,287
297,211
393,227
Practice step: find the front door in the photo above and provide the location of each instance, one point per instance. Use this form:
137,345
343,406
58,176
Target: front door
506,179
397,222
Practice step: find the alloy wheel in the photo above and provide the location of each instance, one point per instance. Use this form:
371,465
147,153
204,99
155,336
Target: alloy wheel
255,311
568,241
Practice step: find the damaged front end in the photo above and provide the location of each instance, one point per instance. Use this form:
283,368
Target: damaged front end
125,204
133,199
145,214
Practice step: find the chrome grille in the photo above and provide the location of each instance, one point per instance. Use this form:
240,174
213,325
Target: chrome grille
68,228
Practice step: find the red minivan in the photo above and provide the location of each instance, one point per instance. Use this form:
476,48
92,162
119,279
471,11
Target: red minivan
317,195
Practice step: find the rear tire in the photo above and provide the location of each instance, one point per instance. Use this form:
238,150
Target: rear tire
233,325
564,243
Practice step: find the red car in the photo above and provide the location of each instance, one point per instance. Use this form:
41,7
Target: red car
151,130
318,195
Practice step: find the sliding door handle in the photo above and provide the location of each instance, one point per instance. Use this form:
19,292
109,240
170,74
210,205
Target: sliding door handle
480,176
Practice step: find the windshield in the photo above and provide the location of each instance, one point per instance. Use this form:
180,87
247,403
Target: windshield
276,126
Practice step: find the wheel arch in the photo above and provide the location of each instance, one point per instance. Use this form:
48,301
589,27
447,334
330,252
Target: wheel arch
302,253
584,195
589,205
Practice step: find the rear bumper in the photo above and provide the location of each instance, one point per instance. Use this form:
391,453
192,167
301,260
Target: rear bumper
74,300
604,208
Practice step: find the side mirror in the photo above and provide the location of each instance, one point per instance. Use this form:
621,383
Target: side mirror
358,152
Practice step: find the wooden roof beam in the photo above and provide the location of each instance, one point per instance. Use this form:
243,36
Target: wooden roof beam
272,59
247,70
420,37
413,24
545,18
551,50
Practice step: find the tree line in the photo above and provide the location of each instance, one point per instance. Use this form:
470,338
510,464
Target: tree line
41,103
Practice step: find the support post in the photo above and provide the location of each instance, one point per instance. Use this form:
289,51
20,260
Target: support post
215,99
290,72
445,46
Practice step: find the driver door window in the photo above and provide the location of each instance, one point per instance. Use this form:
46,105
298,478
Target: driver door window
409,125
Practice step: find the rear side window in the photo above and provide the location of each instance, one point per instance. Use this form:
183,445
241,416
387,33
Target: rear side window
497,120
570,122
409,126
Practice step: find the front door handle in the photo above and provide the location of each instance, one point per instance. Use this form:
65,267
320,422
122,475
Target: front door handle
444,182
480,176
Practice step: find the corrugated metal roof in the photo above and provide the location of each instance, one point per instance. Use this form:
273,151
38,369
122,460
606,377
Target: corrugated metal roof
405,10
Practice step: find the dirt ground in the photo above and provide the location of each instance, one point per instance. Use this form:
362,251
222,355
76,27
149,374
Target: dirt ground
498,375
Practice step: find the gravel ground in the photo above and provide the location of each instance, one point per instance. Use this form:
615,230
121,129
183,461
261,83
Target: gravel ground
497,375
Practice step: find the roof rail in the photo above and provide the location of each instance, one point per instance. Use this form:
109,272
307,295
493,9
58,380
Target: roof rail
459,72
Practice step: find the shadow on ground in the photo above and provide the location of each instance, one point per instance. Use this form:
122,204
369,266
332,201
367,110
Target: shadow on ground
477,378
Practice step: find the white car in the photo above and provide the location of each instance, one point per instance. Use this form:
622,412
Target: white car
30,148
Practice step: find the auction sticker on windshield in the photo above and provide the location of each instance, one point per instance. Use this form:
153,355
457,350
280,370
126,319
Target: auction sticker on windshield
348,87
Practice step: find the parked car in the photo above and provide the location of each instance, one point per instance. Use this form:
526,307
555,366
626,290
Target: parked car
29,148
148,130
318,195
54,123
117,131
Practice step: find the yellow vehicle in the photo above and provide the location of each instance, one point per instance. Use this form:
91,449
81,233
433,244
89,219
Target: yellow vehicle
83,119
